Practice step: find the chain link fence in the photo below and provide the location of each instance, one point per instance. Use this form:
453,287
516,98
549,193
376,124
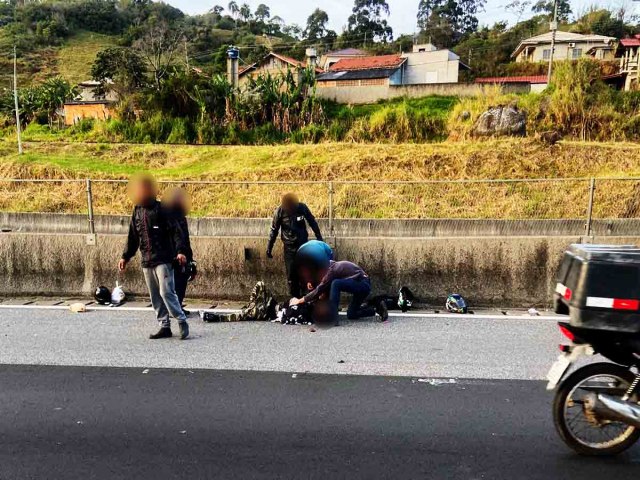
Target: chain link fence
573,206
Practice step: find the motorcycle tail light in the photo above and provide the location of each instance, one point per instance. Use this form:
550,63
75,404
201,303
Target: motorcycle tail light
567,333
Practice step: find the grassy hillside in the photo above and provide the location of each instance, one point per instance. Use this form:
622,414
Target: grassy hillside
75,58
355,162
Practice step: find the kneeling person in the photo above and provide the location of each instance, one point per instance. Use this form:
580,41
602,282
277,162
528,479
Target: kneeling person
338,278
153,231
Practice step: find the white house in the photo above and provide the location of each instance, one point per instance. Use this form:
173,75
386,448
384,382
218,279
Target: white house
568,46
427,64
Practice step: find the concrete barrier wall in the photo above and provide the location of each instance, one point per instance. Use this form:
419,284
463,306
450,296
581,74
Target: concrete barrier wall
516,271
259,227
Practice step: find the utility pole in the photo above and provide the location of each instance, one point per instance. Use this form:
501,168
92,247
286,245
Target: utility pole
15,98
186,53
554,29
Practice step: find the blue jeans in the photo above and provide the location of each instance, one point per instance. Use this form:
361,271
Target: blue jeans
360,289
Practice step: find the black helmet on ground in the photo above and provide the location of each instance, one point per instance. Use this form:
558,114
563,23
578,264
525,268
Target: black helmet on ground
102,295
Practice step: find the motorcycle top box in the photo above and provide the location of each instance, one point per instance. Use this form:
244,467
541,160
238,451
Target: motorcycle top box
599,287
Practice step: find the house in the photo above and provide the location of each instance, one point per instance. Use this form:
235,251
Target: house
273,64
568,46
88,92
89,104
517,84
77,111
331,58
428,64
423,71
629,54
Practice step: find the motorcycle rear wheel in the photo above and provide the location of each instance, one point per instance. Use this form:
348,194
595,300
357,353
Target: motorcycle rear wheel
598,375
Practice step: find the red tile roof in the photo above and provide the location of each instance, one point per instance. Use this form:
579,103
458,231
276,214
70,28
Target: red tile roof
367,63
631,42
534,79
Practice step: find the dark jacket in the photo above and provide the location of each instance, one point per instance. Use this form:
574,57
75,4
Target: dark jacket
337,270
293,227
181,220
156,234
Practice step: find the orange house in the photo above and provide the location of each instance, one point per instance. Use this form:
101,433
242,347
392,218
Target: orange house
96,109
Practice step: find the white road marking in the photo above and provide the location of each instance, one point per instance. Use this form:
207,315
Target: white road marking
124,308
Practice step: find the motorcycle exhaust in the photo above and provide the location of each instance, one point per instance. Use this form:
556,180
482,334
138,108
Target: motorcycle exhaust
612,408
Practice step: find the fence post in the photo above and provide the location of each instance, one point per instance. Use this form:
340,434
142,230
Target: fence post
331,230
588,225
92,226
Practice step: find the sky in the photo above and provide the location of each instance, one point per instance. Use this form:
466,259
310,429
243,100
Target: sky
403,12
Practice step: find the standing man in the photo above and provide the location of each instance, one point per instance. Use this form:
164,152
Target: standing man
177,204
291,219
159,238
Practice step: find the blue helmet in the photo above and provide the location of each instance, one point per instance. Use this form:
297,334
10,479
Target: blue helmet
456,304
315,253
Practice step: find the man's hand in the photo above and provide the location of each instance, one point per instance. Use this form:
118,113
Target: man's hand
269,254
309,286
122,265
296,301
182,260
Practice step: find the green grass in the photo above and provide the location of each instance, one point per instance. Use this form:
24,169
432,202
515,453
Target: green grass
510,158
76,56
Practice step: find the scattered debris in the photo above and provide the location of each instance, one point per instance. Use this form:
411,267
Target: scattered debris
312,330
533,312
295,375
183,432
340,361
80,422
78,307
145,371
437,381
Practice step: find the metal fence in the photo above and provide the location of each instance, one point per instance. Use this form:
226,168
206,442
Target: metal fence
567,206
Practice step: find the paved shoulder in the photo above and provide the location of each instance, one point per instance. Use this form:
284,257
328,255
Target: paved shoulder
465,347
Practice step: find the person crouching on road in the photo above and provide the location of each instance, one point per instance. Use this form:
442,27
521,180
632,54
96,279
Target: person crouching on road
338,278
158,237
177,204
291,219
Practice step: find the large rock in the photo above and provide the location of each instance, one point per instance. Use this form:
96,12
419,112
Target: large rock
503,120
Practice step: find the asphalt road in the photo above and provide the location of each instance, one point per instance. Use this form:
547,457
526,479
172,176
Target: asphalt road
108,423
446,346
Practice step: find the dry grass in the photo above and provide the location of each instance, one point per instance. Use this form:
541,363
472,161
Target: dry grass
339,162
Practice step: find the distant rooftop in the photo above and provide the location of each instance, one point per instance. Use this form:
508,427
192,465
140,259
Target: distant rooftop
347,52
532,79
366,63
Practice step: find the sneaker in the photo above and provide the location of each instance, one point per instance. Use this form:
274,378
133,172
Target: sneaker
382,311
184,330
164,332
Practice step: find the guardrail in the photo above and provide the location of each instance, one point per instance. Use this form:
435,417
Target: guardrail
571,205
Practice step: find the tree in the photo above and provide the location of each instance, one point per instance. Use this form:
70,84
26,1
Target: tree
233,9
118,69
316,25
245,12
158,47
367,21
217,10
546,6
263,13
448,20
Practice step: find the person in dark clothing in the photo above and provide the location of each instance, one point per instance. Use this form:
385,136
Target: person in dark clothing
338,278
177,204
291,219
160,240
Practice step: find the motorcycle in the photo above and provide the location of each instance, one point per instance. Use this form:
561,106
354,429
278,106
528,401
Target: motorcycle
596,408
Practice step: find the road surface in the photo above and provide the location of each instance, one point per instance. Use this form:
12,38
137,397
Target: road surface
449,398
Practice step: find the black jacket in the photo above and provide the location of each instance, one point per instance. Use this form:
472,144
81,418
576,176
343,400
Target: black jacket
156,234
181,220
293,227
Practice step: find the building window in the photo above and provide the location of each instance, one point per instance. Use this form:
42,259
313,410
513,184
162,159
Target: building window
546,54
576,53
